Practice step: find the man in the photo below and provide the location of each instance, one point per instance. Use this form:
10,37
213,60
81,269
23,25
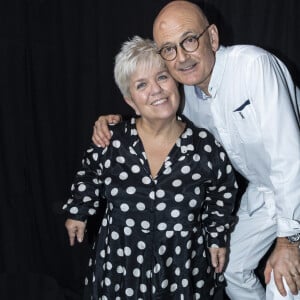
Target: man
246,98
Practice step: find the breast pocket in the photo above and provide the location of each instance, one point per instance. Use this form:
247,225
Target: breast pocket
246,123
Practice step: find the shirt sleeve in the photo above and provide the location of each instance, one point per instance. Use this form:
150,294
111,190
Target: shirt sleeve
273,95
218,217
86,189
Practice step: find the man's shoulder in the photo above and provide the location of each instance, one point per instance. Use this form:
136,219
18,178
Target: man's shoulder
244,50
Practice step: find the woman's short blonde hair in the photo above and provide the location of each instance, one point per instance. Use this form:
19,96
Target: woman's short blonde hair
134,52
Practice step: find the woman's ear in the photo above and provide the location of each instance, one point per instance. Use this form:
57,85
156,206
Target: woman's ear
131,103
213,37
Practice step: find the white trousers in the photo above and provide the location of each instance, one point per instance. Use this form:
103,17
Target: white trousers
250,240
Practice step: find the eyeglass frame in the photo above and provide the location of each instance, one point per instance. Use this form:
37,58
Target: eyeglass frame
196,37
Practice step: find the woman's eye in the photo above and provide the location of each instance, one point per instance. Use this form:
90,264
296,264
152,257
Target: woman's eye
162,77
140,85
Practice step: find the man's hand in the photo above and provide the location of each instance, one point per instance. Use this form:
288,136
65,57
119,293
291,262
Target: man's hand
285,262
101,134
218,257
75,230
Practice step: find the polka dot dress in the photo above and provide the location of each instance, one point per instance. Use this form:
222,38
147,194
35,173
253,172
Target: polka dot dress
153,240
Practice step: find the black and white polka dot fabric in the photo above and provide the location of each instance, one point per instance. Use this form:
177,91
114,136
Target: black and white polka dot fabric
153,240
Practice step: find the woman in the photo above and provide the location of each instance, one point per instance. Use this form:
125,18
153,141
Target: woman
169,188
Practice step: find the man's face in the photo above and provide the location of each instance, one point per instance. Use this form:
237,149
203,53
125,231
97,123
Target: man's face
190,68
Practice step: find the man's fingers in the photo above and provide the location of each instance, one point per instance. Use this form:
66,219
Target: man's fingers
293,283
218,256
101,133
71,238
267,273
80,234
279,283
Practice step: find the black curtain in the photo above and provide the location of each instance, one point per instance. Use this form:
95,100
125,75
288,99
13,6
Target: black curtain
56,77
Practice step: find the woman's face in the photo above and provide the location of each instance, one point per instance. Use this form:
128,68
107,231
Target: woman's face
154,93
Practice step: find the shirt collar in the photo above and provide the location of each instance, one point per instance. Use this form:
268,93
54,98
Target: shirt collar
216,76
218,71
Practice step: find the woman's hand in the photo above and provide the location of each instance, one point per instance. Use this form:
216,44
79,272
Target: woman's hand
218,257
101,134
75,230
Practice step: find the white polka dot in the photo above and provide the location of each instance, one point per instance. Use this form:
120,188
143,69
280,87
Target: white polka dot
207,148
203,134
169,261
135,169
86,199
74,210
173,287
127,251
129,292
185,170
82,187
197,190
160,193
114,191
140,206
120,159
179,197
127,231
152,195
162,226
140,259
120,252
220,203
116,144
164,283
228,169
119,269
107,163
193,203
124,207
169,234
177,183
196,157
227,195
200,284
178,227
123,176
131,190
177,271
184,282
156,268
146,180
143,288
175,213
195,271
161,206
130,222
136,272
107,181
222,156
191,217
178,250
114,235
196,176
107,281
92,211
141,245
145,224
162,250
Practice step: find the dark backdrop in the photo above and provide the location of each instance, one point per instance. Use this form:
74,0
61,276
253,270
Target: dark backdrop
56,62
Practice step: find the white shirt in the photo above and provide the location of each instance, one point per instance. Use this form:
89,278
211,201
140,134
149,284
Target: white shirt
251,111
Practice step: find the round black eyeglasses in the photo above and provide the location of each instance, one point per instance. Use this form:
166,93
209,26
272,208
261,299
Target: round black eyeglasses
189,44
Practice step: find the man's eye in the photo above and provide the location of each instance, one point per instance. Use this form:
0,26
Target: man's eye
190,40
167,50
